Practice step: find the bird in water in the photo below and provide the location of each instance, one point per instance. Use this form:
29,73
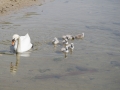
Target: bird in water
65,42
80,36
21,43
69,37
55,41
65,50
71,47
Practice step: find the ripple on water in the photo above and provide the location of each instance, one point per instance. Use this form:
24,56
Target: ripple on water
28,14
7,42
4,22
43,70
116,23
115,63
57,59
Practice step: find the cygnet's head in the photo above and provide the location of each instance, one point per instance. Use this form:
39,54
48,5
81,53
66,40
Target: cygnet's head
72,44
83,34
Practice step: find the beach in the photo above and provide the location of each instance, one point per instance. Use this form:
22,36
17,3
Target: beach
94,63
7,6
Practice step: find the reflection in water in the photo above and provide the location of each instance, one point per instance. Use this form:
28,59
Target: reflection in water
70,72
65,55
25,54
13,68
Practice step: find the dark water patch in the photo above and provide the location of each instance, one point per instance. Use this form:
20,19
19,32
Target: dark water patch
91,41
102,23
116,33
66,1
115,63
81,68
99,28
97,58
37,43
5,52
58,52
16,25
11,48
107,70
112,54
91,27
116,23
57,59
105,28
31,70
49,43
91,78
7,42
78,72
47,77
36,46
60,38
70,72
43,70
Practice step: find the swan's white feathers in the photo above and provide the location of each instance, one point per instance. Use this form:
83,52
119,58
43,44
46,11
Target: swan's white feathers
24,43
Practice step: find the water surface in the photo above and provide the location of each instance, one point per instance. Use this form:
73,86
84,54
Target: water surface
94,63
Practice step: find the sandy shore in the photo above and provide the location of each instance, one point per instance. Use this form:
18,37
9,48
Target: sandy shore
7,6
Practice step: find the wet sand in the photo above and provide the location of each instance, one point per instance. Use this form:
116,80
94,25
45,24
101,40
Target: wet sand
94,63
9,6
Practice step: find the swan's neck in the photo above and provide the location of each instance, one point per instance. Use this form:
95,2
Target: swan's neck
18,45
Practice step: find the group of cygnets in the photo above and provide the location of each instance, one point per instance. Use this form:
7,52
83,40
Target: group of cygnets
68,47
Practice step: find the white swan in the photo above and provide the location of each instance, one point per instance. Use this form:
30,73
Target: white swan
21,43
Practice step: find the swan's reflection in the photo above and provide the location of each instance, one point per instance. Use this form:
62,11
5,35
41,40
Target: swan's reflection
25,54
14,67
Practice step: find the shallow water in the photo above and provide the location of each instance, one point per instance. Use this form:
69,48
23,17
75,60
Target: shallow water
94,63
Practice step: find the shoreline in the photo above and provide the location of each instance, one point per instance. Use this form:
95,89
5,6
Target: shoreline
9,6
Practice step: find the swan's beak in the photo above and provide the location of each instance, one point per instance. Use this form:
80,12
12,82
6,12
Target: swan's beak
13,42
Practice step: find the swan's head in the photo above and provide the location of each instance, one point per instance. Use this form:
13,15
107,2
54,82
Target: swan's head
15,37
